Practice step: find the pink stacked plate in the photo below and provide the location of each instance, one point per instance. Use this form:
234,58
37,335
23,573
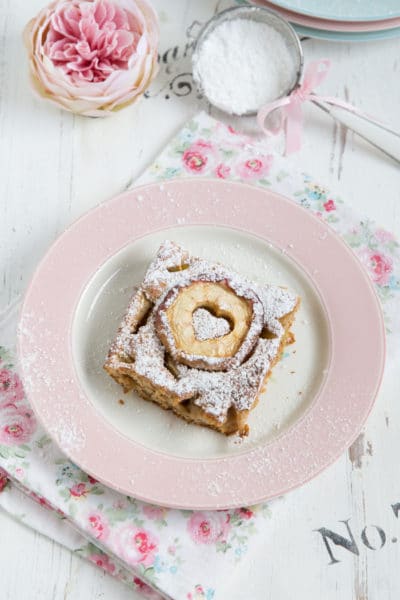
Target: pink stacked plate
340,20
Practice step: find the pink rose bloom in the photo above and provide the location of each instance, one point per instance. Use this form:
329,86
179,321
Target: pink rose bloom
379,265
93,57
103,561
194,161
3,479
145,589
255,168
382,267
78,490
136,545
198,594
16,425
244,513
98,526
41,500
384,236
198,156
208,528
153,512
329,205
222,171
11,390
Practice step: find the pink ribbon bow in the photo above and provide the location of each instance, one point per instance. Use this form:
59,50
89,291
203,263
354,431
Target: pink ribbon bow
291,112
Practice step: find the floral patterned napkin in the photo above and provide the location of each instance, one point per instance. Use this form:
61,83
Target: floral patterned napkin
183,555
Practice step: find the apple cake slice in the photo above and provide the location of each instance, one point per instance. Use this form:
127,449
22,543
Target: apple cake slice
201,340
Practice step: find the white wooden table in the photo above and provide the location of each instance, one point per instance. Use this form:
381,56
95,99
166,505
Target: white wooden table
54,166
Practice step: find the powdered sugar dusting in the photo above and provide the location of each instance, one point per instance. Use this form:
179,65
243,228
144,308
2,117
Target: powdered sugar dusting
242,64
201,270
34,333
68,436
214,391
208,327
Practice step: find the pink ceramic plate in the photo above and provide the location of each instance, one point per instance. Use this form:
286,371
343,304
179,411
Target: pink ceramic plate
315,403
327,25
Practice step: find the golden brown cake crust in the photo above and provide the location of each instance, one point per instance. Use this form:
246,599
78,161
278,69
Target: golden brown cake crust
140,360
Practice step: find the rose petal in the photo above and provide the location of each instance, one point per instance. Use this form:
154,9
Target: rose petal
93,58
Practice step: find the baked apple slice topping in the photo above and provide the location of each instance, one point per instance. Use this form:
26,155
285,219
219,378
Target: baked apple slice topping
181,323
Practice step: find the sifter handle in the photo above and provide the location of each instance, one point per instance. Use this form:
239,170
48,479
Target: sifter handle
379,135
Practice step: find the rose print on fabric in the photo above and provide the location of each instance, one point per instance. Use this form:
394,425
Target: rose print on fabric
98,525
200,593
145,589
79,490
198,156
136,545
3,479
11,390
210,527
222,171
154,513
385,236
103,561
244,513
329,205
256,167
16,425
378,264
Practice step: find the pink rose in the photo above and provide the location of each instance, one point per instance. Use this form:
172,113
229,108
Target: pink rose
208,528
198,156
93,57
3,479
244,513
11,390
222,171
384,236
255,168
329,205
145,589
41,500
194,161
78,490
153,512
136,545
16,425
198,594
103,561
98,526
379,265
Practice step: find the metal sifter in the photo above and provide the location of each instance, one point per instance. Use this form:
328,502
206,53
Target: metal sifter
299,87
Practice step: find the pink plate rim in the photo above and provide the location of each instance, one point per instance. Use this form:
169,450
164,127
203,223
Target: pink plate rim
336,414
330,25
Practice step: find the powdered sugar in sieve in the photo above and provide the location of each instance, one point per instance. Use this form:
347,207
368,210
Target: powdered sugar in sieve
246,57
